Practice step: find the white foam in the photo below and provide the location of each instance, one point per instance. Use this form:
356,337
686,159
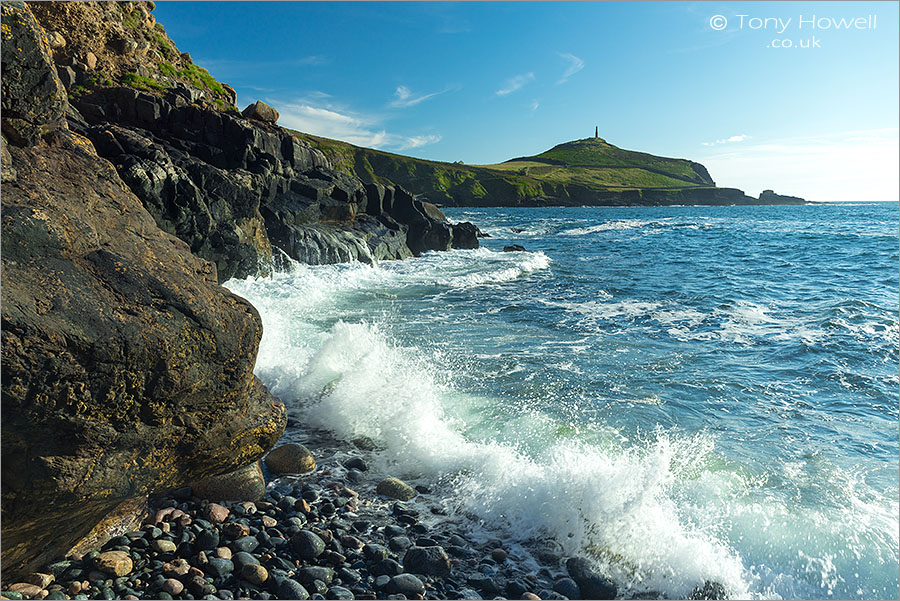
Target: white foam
659,513
354,382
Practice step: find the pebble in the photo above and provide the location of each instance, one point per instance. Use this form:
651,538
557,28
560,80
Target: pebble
307,544
254,573
219,568
308,539
172,586
217,513
40,579
430,561
356,463
499,555
163,546
175,568
115,563
405,584
289,588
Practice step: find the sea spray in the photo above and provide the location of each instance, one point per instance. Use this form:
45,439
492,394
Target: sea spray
677,415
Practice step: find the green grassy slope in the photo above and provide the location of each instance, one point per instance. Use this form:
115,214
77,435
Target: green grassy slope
589,171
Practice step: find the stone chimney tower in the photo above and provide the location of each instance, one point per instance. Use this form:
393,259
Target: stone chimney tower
596,131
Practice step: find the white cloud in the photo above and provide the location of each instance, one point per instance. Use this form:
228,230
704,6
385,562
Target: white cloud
729,140
535,105
845,166
403,97
575,65
514,83
360,130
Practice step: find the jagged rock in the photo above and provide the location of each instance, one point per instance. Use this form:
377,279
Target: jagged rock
261,111
241,193
433,212
66,75
33,98
55,39
465,235
514,248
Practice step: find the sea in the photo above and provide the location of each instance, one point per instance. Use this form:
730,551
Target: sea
681,394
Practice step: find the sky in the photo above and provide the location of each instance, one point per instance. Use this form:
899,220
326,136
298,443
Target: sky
799,97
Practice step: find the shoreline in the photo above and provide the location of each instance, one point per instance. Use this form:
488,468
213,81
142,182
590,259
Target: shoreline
325,534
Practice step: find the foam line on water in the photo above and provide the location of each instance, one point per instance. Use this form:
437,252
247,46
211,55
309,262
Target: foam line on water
659,513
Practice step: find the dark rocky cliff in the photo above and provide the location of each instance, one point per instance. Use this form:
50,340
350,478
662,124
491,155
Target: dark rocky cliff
126,368
131,188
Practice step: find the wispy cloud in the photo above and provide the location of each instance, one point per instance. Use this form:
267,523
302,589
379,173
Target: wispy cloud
362,130
535,105
575,65
515,83
404,97
729,140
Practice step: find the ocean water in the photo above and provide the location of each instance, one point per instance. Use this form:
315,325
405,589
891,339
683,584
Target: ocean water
681,393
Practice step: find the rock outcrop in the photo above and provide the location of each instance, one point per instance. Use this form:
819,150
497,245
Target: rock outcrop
126,368
239,190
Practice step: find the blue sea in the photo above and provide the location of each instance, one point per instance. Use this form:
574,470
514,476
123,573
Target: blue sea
680,393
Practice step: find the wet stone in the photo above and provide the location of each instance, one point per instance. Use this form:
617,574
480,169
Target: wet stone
310,574
307,544
405,584
289,588
246,544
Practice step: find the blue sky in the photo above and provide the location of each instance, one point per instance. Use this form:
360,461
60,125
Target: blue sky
485,82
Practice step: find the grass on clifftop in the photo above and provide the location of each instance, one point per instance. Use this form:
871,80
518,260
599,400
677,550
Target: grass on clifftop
591,164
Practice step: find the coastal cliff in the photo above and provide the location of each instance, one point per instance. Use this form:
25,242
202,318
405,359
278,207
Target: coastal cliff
588,172
131,188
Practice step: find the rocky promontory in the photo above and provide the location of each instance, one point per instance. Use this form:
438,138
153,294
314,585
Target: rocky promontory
131,187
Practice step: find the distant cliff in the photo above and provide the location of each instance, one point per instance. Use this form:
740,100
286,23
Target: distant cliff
581,172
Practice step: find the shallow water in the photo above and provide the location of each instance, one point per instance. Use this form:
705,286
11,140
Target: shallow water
684,393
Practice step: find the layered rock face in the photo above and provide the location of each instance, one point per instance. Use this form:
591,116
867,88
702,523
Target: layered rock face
126,368
234,188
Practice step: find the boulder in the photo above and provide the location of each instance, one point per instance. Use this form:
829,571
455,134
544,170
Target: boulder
290,458
243,484
33,100
126,368
591,583
261,111
395,489
465,235
514,248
